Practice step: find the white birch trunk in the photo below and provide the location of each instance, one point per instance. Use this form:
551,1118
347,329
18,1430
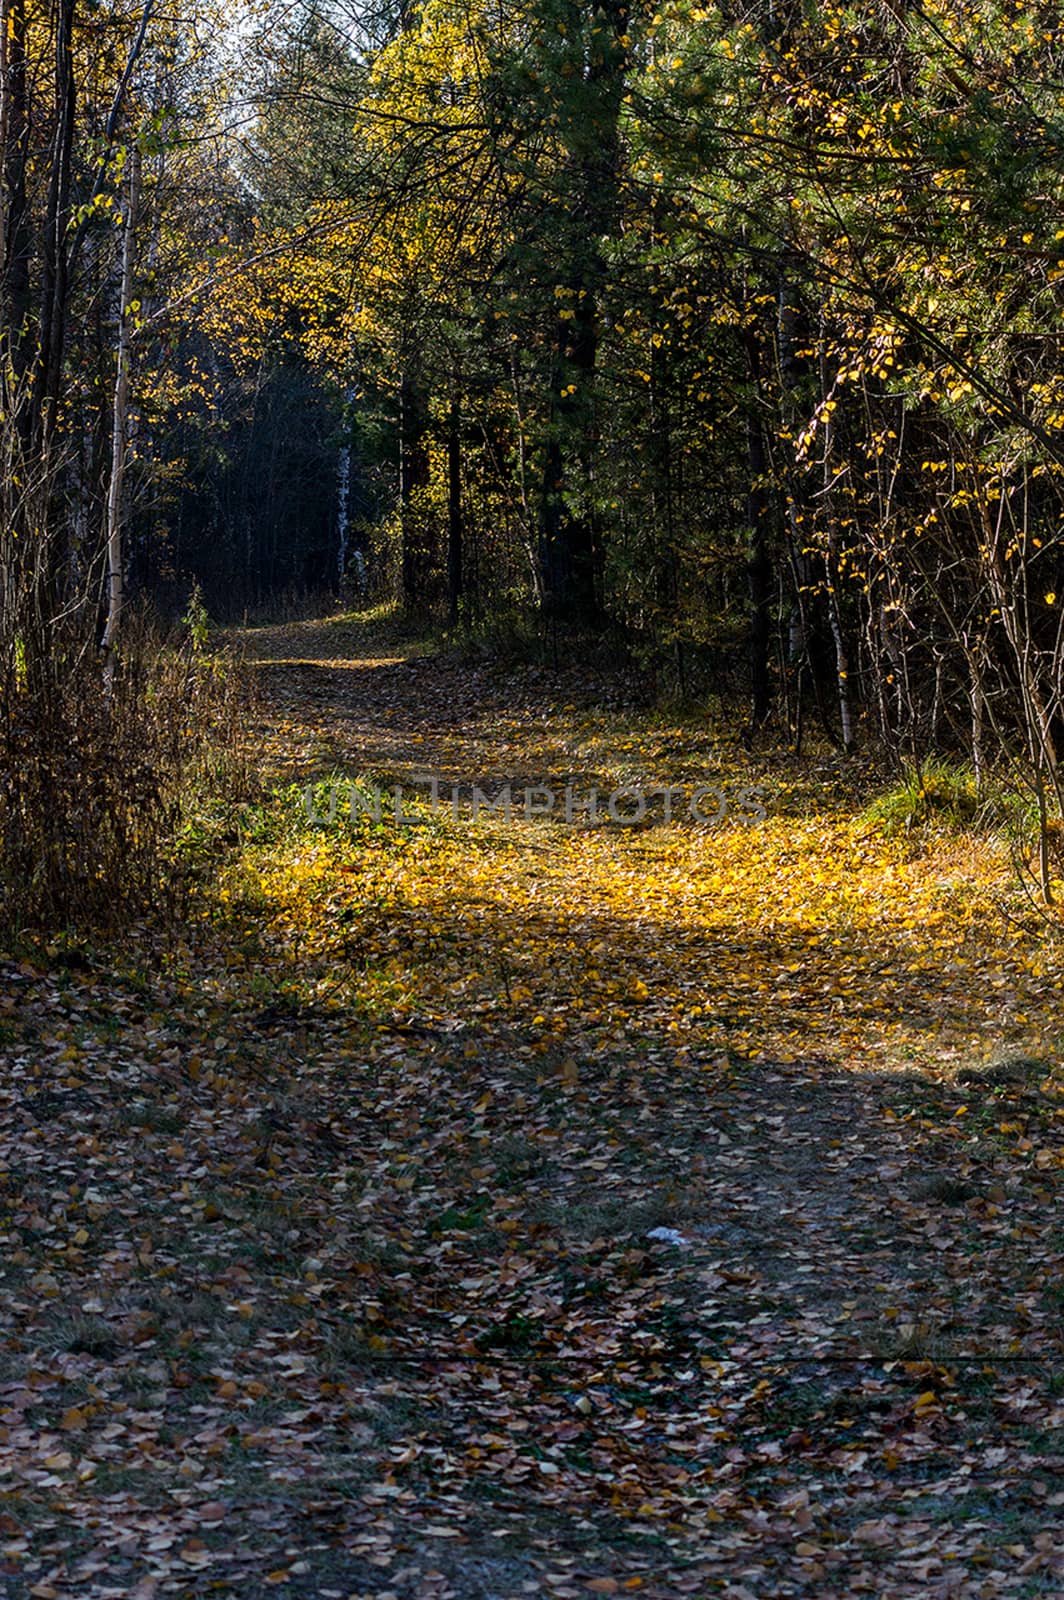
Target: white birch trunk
343,497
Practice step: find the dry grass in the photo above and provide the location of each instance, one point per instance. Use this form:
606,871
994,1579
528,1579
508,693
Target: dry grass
95,788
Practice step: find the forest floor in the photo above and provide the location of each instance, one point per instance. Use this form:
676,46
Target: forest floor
498,1208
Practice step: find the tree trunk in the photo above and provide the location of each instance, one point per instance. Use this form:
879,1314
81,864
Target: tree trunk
55,259
569,556
454,509
343,502
413,475
119,416
759,544
759,573
831,567
15,243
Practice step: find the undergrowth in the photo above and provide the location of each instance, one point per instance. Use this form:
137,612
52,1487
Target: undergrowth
109,801
939,795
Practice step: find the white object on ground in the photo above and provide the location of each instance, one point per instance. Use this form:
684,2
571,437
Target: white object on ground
668,1236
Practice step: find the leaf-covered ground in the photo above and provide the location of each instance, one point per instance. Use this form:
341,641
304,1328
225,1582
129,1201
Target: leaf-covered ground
529,1208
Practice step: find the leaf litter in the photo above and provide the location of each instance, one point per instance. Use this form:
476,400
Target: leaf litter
496,1209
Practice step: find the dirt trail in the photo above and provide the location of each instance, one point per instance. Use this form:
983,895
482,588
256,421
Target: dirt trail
446,1231
836,1300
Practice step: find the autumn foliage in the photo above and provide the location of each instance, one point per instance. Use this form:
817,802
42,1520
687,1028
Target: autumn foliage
445,1202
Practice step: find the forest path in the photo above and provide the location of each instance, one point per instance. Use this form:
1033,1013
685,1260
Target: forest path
725,1255
501,1208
